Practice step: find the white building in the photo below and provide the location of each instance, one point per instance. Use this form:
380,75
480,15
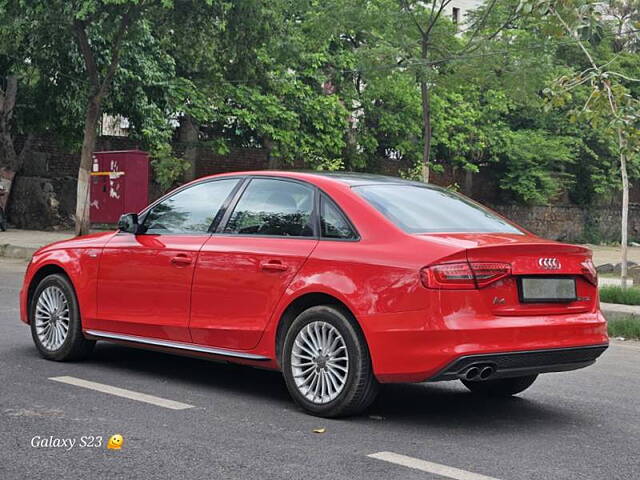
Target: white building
458,9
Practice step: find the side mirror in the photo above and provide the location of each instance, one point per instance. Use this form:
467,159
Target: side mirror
128,223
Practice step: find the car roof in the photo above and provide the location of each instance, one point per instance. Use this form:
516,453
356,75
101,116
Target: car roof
348,178
357,178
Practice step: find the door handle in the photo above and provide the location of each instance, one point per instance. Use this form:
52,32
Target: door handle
181,260
273,266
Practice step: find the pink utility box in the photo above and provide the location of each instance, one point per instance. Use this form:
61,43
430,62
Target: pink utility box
119,184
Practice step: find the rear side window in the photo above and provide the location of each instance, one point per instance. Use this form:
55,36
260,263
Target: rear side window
273,207
418,209
191,210
333,223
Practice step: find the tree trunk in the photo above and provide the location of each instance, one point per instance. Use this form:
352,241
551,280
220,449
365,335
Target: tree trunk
99,91
86,160
426,121
274,162
426,115
468,183
10,161
9,157
625,211
189,135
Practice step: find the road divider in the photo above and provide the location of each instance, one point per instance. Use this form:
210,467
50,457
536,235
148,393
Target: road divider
121,392
428,467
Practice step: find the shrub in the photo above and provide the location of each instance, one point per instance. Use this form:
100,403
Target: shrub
625,326
626,296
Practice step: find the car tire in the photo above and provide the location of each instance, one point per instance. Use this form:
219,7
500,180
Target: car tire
345,384
501,387
55,322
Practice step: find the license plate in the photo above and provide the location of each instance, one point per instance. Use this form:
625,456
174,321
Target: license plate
546,289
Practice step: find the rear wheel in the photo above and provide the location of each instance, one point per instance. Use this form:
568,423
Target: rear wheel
502,387
55,321
326,363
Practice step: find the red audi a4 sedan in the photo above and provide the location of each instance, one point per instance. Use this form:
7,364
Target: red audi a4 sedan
341,281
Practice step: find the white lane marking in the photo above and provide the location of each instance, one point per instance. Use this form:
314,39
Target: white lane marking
121,392
429,467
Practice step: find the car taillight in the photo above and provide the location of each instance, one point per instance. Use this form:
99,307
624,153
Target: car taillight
463,275
449,275
589,272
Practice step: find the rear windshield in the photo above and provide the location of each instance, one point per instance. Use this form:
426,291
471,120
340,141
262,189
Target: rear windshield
417,209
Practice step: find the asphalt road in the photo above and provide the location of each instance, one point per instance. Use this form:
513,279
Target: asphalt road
578,425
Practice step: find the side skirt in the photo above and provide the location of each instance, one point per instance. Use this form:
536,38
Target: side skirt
168,344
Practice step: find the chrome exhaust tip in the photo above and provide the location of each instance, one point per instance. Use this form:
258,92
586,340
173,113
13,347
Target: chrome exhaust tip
486,372
471,373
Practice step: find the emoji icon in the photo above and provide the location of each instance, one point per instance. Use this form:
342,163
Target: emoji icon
115,442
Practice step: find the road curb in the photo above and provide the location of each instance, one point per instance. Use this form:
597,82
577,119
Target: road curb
15,251
617,309
612,315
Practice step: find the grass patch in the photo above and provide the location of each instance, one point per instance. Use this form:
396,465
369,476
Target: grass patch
625,296
625,326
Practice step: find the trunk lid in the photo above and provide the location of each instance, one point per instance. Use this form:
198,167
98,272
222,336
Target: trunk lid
534,258
529,257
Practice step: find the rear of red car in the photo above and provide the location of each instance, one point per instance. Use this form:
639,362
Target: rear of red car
500,302
539,299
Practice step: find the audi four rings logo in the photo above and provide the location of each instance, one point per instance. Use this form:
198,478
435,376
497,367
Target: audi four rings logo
549,263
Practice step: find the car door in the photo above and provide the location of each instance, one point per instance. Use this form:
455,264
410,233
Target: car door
246,266
144,281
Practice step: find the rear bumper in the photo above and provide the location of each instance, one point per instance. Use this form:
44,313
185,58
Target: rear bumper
405,348
517,364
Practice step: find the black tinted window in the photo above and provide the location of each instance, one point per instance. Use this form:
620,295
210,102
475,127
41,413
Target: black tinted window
418,209
191,210
332,221
273,207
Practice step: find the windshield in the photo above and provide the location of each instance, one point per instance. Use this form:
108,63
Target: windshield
418,209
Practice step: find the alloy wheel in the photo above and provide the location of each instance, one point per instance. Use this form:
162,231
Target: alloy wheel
52,318
320,362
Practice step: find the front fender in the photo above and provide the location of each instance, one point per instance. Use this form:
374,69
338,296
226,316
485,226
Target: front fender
79,265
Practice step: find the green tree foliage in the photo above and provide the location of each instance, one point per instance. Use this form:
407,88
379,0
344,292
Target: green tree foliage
536,168
340,84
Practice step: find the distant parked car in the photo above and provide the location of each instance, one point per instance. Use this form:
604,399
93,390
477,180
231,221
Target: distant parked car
341,281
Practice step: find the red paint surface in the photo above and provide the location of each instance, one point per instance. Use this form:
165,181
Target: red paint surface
116,194
225,297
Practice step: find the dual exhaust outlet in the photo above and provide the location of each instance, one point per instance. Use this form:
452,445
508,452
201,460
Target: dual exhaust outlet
477,372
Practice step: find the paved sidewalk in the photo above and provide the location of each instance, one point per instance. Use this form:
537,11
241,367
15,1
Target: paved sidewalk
618,308
608,254
22,243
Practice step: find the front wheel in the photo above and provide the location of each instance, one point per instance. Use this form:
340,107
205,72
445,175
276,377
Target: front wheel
326,363
55,321
501,387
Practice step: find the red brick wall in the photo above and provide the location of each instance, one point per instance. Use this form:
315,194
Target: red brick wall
209,162
49,159
53,169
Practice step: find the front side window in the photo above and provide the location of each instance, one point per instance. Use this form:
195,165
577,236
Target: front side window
333,223
191,210
273,207
425,209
